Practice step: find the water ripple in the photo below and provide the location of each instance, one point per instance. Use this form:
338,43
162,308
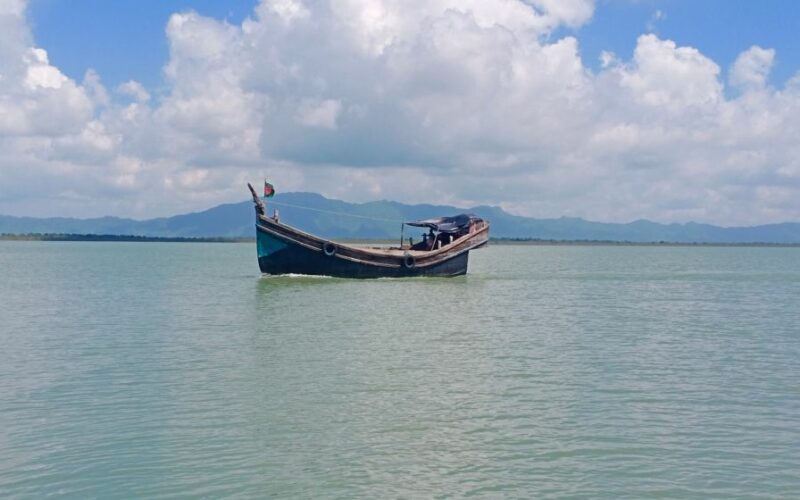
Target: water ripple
165,370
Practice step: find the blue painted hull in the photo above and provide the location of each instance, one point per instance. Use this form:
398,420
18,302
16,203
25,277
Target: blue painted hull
278,254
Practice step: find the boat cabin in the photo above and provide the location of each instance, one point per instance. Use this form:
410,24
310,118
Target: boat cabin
443,231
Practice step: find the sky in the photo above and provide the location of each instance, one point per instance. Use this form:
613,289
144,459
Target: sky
611,110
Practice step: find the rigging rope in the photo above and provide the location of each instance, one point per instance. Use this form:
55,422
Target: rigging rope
396,221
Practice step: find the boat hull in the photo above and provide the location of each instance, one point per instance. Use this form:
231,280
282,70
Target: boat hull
279,254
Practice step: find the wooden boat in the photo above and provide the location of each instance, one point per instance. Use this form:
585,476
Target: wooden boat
283,249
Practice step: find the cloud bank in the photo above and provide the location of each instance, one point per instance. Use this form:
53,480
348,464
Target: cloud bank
453,101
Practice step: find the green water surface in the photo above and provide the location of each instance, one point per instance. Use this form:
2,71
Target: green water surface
174,369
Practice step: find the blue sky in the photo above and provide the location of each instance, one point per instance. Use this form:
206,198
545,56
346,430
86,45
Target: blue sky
121,39
124,39
720,29
611,110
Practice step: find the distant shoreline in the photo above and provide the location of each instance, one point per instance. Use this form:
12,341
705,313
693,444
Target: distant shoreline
589,243
120,238
493,241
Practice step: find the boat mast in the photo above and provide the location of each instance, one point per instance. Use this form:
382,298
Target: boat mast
260,208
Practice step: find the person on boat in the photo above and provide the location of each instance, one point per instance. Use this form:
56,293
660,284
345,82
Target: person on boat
421,245
431,239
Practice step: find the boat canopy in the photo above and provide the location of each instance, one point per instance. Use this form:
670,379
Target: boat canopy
451,225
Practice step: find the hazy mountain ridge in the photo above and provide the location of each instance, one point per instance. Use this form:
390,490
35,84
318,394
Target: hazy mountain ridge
236,220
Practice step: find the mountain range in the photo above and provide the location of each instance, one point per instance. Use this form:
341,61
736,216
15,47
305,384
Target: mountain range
381,220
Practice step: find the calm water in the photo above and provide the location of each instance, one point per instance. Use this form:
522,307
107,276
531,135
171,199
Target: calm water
154,369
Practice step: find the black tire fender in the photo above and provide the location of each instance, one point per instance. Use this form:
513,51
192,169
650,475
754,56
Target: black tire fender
329,249
409,262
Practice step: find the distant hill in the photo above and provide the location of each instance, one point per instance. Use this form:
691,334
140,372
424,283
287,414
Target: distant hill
322,217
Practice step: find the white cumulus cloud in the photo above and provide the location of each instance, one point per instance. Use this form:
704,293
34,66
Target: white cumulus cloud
752,67
135,90
450,101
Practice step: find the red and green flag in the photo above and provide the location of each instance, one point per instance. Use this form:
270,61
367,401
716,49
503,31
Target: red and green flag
269,189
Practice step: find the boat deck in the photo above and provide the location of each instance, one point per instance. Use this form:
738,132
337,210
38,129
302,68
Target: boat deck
390,251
